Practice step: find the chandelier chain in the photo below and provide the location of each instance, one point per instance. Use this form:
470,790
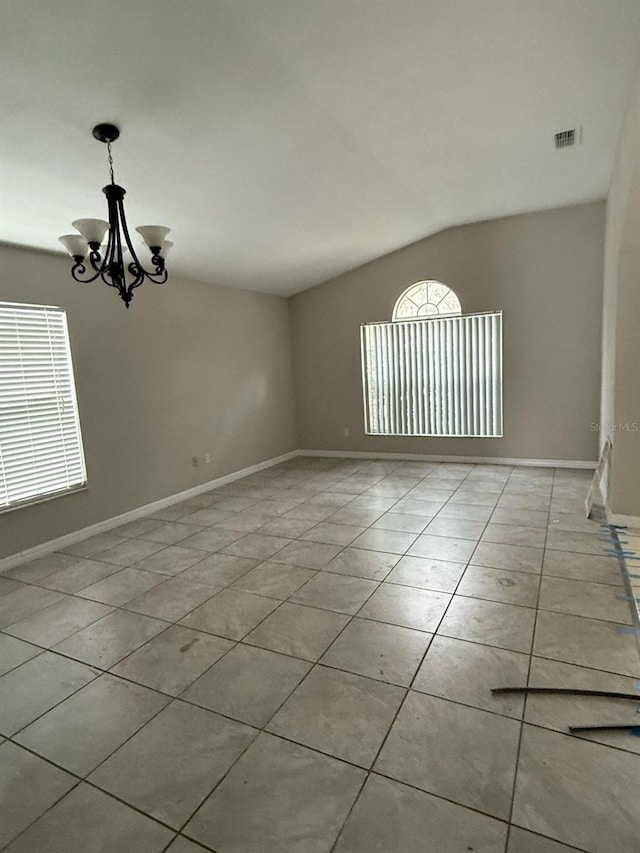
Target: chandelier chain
110,158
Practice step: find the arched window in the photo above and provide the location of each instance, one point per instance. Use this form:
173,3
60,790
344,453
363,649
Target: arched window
426,299
433,370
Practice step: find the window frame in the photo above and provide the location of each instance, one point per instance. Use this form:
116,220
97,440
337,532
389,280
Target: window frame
45,497
427,320
430,315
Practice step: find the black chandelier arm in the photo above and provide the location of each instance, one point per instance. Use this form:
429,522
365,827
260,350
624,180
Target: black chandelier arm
138,274
96,260
160,275
127,238
114,284
79,269
111,270
114,277
126,292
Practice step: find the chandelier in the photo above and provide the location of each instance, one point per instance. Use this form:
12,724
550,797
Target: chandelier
92,260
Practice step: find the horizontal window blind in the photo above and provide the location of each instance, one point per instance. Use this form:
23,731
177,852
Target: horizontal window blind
40,441
434,377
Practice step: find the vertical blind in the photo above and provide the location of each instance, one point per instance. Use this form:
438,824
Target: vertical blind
40,441
434,377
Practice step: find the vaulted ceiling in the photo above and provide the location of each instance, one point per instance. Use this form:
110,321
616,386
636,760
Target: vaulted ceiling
286,141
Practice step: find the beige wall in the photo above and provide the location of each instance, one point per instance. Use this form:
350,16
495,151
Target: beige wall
190,368
621,318
544,270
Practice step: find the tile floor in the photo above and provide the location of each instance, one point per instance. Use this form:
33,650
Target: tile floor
301,662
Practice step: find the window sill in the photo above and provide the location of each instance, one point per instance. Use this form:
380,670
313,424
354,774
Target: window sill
430,435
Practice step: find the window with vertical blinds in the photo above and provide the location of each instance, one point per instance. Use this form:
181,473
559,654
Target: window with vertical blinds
41,451
434,377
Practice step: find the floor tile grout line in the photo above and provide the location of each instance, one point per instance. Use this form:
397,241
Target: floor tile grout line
397,713
172,699
84,780
258,500
524,704
271,613
126,539
471,809
313,663
178,837
178,623
123,605
132,538
169,696
108,671
352,616
272,716
135,564
141,811
262,730
336,841
435,633
367,771
11,840
93,680
59,702
286,699
41,649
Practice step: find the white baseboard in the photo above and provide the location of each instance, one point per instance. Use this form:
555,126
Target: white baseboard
132,515
474,460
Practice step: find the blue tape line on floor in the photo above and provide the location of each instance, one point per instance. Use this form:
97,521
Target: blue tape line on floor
627,629
627,598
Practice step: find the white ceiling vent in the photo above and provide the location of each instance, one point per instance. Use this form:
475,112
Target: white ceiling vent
567,138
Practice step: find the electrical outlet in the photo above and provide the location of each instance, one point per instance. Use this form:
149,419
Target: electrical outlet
194,461
345,432
207,458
